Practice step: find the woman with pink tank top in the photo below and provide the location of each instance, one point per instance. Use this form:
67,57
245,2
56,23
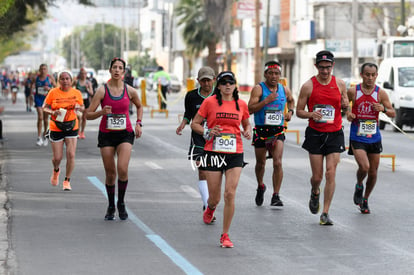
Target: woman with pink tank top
116,133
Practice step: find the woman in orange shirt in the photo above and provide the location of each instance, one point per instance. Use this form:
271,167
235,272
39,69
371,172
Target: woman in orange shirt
63,103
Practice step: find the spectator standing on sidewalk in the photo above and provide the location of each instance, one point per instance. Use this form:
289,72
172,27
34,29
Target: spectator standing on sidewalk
162,78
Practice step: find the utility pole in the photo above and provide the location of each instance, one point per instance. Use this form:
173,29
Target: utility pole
103,45
266,38
122,30
257,51
403,12
354,61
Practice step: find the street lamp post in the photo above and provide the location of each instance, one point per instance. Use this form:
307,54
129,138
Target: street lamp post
354,60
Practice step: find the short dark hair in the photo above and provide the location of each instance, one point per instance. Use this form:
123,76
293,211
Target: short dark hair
368,64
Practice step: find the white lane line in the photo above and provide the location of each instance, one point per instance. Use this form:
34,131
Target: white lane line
190,191
153,165
168,250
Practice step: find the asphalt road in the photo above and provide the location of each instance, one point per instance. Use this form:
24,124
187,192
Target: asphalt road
49,231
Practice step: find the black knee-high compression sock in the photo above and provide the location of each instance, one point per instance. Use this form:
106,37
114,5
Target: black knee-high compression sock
122,186
110,191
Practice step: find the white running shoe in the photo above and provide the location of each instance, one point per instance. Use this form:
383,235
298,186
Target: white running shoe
45,142
39,141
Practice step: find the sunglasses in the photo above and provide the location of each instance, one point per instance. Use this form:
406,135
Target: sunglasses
321,68
227,81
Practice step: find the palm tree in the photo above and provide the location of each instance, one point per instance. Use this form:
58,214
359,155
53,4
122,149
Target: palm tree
204,25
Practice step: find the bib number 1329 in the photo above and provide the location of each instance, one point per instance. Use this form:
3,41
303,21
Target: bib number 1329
116,122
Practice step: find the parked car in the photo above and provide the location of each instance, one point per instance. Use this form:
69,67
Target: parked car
175,84
149,82
103,76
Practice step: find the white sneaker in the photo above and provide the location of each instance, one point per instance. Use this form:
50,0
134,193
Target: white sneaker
45,142
39,141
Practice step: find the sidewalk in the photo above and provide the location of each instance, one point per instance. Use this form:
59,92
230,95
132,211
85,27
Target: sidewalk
5,249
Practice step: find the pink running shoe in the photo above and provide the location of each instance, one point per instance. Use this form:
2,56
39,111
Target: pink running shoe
66,186
225,241
54,179
208,215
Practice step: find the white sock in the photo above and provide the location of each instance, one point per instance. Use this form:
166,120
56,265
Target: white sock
202,187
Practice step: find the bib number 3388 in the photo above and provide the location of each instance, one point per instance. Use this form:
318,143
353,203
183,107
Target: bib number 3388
225,143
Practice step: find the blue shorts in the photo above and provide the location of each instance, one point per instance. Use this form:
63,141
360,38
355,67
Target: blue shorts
38,100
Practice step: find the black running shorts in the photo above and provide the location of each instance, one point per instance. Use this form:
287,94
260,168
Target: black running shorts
212,161
260,133
370,148
55,136
323,143
113,139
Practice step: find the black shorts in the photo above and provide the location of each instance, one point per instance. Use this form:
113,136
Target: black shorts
370,148
27,92
323,143
86,102
55,136
196,146
113,139
195,152
212,161
263,133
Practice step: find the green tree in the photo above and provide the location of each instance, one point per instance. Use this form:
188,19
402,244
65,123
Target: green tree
204,24
17,22
98,45
14,14
138,63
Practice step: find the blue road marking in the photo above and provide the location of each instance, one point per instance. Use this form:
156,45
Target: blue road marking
174,256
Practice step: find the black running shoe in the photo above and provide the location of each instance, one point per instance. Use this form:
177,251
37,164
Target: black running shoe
260,195
364,207
359,190
123,215
110,213
276,202
325,220
314,202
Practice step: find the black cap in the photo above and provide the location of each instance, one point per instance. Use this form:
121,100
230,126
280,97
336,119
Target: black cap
226,74
324,56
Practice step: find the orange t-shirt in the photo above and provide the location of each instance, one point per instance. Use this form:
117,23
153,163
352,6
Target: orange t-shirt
57,99
229,119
